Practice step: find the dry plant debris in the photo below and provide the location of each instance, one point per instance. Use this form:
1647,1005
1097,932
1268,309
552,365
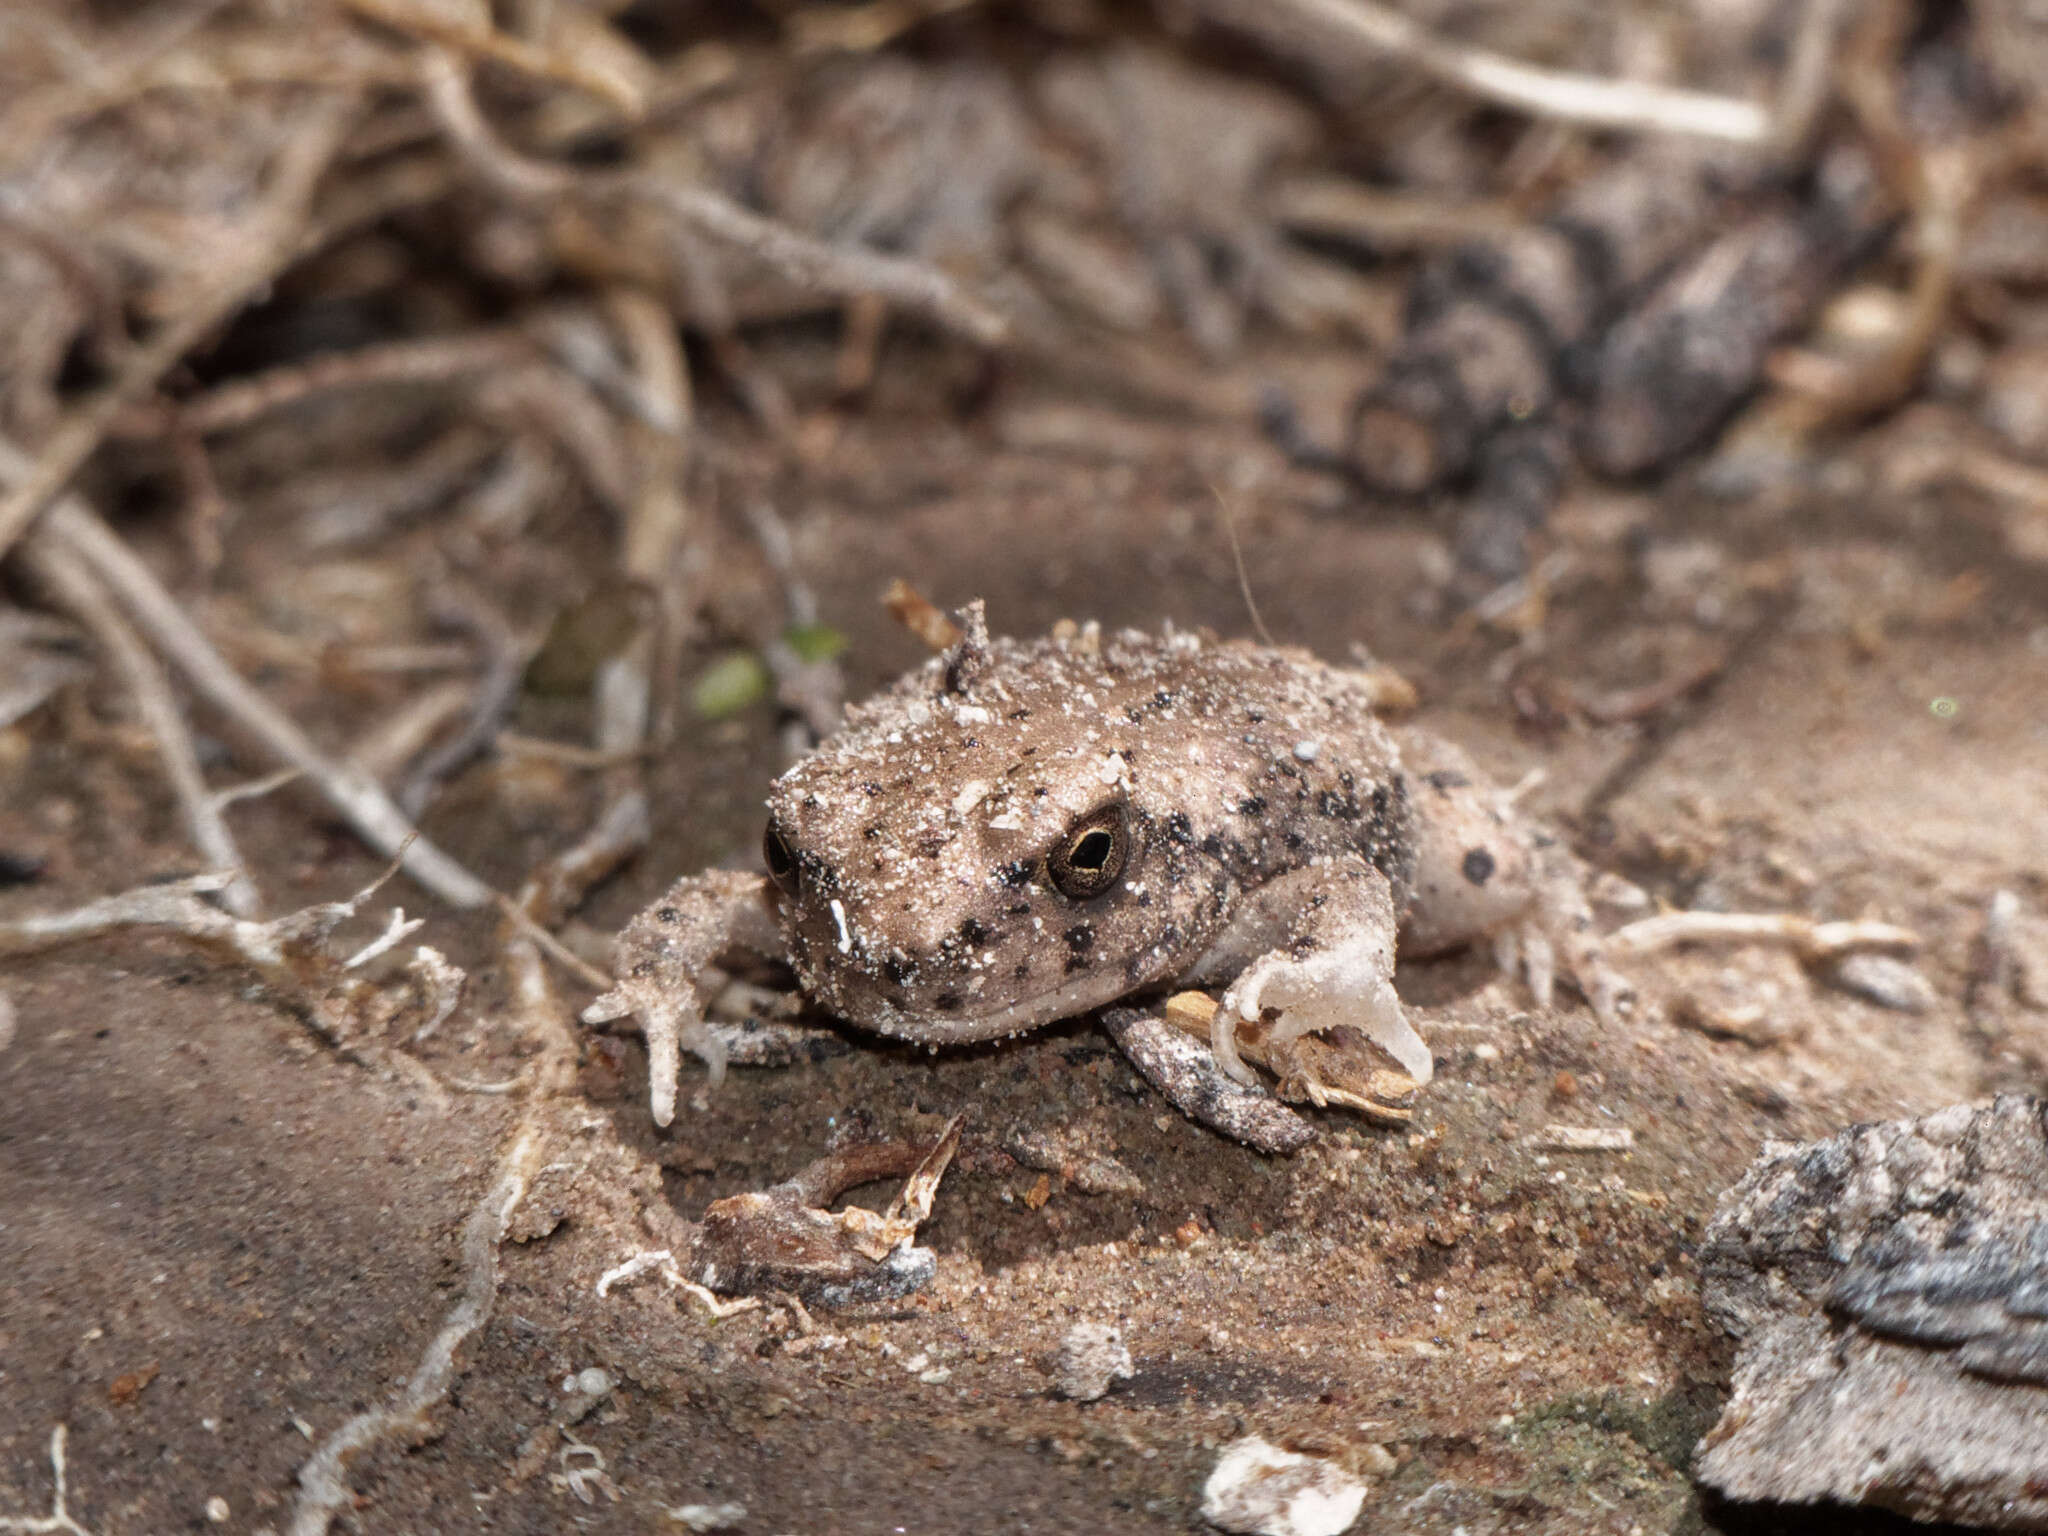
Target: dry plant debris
787,1238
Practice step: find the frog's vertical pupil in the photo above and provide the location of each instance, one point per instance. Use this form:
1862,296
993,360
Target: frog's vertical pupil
780,861
1091,850
1090,856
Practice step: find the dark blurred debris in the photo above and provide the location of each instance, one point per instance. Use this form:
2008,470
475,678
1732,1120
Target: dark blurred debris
1888,1288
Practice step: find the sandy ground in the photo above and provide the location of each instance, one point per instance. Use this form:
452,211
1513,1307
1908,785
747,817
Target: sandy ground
219,1239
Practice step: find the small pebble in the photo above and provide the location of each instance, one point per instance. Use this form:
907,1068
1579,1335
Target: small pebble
217,1510
1092,1356
1258,1489
1885,980
707,1517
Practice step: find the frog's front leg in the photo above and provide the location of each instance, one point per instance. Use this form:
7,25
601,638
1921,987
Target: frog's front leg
1483,873
660,960
1316,944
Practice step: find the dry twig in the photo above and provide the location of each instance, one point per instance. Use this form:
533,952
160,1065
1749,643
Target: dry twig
841,271
1567,97
275,243
77,589
1815,942
74,528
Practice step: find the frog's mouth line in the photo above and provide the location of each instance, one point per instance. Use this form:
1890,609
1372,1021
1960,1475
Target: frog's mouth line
1077,997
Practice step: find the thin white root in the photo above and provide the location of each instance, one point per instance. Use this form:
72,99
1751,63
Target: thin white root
663,1262
323,1486
59,1517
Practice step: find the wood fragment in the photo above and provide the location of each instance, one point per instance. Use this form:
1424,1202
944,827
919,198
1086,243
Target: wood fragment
918,614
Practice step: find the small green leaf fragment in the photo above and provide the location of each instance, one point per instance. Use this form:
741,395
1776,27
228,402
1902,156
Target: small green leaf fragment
730,684
814,642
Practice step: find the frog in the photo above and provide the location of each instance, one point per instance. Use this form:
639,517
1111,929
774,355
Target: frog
1021,831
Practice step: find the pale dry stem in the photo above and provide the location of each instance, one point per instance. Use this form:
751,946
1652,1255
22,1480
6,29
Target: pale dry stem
1815,943
360,799
323,1486
77,588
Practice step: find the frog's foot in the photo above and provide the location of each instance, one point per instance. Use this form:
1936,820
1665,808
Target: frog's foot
670,1021
1558,937
1344,983
663,960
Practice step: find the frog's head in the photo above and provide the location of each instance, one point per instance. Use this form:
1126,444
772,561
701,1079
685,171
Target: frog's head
965,864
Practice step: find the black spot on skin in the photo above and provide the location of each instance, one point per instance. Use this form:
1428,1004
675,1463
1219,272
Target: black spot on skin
973,933
1080,938
874,831
1023,969
947,1002
972,741
1038,793
644,968
1251,805
895,969
1180,829
1134,714
1020,714
871,789
1478,866
1212,845
812,802
1338,807
1144,898
1254,714
1019,909
667,915
1017,873
1444,780
1293,841
1162,700
1302,947
1380,800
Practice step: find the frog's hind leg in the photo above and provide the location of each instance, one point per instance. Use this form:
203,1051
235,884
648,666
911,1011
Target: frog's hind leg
1484,873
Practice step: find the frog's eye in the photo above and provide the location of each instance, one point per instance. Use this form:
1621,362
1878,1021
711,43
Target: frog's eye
780,861
1090,854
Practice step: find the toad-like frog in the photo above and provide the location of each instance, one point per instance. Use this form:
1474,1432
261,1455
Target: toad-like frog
1024,831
